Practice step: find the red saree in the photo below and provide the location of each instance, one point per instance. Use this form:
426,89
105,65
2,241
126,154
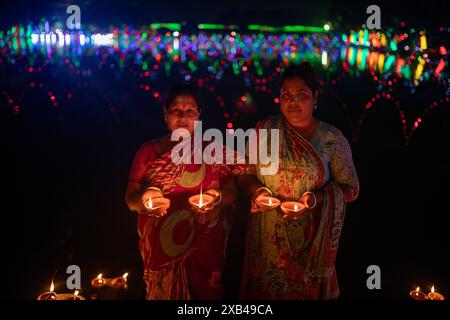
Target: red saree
183,258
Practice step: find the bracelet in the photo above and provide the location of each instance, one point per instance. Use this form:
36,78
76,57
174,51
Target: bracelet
260,189
314,196
154,188
219,197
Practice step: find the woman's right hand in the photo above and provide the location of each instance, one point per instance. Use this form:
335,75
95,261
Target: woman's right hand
255,207
159,211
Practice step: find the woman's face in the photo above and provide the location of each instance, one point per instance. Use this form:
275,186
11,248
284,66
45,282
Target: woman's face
182,113
297,102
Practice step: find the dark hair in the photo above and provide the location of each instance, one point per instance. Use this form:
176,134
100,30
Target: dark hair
304,71
182,89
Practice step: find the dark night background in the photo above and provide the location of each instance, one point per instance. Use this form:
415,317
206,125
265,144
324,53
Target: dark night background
64,185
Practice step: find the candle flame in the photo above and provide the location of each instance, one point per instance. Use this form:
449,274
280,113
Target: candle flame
200,204
125,275
52,287
432,289
270,201
295,207
418,289
76,293
150,203
100,276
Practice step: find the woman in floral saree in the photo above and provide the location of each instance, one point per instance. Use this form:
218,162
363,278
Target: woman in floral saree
182,249
293,256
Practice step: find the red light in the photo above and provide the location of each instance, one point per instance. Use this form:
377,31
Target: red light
276,100
443,50
390,83
244,68
229,125
146,73
52,98
226,115
243,98
30,69
147,88
156,94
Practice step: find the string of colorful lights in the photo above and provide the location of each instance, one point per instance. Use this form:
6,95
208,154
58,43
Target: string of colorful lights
404,57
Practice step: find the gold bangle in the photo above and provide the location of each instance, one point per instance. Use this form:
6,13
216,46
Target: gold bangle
154,188
314,196
219,197
260,189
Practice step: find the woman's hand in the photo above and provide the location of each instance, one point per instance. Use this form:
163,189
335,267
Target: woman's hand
310,199
157,211
258,195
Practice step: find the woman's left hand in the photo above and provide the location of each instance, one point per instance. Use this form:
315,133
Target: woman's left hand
308,200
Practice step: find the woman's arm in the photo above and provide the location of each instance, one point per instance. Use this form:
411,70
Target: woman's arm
133,197
343,170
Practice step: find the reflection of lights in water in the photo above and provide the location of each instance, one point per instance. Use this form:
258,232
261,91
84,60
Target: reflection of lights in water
324,58
99,39
34,38
82,39
67,39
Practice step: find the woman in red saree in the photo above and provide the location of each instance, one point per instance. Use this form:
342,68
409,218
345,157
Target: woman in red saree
292,256
182,249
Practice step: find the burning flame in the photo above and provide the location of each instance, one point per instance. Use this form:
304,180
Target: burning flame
150,203
100,276
52,287
295,207
125,275
418,289
432,289
200,204
270,201
76,293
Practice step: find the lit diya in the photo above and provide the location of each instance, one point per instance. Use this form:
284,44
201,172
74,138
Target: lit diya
50,295
120,282
99,281
200,200
418,295
433,295
267,202
157,203
289,207
68,296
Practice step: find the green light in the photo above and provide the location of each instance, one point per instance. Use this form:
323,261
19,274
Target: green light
170,26
326,27
366,37
344,38
210,26
293,28
303,29
393,45
389,63
262,28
